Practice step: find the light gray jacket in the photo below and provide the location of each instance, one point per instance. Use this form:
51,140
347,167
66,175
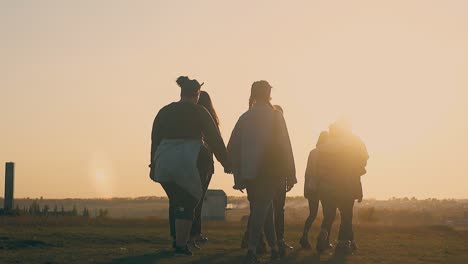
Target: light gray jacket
176,160
255,131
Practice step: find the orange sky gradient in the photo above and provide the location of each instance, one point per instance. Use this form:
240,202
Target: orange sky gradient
81,82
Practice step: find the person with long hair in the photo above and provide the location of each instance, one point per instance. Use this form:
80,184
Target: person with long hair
207,103
311,187
206,163
262,162
180,132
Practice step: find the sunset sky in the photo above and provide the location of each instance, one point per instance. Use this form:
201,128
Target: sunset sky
81,82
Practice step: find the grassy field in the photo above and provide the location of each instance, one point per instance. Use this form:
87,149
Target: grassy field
146,241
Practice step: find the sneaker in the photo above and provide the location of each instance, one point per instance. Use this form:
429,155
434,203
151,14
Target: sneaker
343,248
201,240
354,246
284,245
193,244
305,244
182,252
250,258
322,241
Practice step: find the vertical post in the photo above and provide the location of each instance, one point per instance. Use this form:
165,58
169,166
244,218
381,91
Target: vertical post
9,186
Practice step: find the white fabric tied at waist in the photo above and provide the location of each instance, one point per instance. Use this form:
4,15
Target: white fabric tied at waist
176,160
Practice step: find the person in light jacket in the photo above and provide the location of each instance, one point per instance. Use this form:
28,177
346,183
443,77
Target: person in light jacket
179,132
262,162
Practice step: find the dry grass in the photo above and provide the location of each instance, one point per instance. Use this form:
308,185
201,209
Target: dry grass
79,240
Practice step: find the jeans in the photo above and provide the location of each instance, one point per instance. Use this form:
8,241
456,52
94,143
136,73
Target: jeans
278,206
313,210
197,221
261,219
181,204
345,205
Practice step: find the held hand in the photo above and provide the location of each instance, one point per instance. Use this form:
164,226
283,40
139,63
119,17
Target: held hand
227,168
289,186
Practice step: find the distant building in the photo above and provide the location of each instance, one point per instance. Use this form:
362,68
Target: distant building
214,206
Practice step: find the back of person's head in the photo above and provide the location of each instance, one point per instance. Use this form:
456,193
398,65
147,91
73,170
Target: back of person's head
340,128
189,88
323,138
260,92
279,108
205,101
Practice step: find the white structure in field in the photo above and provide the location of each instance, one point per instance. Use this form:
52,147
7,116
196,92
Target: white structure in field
214,206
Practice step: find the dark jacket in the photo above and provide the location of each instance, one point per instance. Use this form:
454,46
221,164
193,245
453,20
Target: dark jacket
341,163
185,120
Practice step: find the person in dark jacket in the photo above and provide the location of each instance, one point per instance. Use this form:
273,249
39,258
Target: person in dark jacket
342,161
178,133
311,187
206,172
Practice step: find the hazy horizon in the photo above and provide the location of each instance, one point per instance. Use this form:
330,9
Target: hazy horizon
82,81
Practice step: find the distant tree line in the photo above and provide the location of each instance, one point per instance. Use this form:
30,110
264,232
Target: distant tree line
35,209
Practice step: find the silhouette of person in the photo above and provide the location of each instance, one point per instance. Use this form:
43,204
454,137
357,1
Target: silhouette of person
278,212
262,162
278,205
342,161
206,166
178,135
311,187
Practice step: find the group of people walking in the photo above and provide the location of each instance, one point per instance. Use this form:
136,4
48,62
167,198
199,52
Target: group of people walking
185,137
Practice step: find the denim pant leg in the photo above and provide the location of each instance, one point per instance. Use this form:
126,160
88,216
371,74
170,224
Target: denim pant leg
278,204
313,210
262,213
346,226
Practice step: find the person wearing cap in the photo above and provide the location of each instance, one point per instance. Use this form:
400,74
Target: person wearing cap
279,201
179,132
341,163
262,162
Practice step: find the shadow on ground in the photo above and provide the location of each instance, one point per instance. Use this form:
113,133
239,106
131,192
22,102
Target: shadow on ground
157,257
147,258
297,256
293,257
8,243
